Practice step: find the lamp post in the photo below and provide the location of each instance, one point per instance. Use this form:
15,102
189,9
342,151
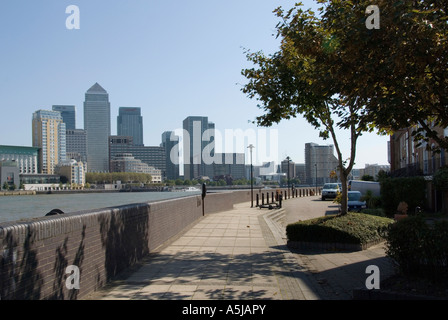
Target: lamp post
315,165
251,178
289,159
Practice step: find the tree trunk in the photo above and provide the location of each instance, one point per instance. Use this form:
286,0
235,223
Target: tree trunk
344,198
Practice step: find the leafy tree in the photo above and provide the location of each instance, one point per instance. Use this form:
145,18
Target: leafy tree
398,71
367,177
298,80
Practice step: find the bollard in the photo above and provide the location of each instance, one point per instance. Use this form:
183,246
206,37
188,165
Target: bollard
257,198
280,201
262,199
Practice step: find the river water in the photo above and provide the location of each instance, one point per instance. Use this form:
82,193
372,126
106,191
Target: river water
13,208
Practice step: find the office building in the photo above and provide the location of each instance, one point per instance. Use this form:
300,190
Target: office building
49,135
229,164
288,167
198,142
27,158
68,114
170,142
76,145
130,123
97,126
319,163
9,175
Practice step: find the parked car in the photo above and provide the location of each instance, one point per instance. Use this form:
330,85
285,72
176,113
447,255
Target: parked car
330,190
354,201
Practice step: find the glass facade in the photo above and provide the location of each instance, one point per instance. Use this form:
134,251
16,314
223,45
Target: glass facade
68,114
97,126
130,123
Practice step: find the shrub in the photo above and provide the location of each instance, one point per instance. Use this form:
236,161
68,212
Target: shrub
440,179
418,248
395,190
353,228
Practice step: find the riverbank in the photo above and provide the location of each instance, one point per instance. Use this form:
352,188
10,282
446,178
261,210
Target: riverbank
17,193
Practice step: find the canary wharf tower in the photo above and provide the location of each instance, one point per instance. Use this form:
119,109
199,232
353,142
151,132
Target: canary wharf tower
97,126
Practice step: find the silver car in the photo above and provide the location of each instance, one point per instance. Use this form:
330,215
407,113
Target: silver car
330,190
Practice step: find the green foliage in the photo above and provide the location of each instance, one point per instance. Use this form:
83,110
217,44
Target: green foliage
125,177
356,228
372,202
419,249
395,190
440,179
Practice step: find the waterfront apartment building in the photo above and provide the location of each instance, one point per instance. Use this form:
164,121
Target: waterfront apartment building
407,158
319,163
127,163
49,135
73,172
27,158
151,155
198,140
130,123
97,126
68,113
170,142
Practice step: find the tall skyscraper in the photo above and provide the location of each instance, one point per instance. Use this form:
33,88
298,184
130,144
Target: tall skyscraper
170,142
49,135
68,114
130,123
198,143
97,126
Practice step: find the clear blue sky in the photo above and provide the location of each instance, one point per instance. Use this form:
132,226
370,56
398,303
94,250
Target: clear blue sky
172,59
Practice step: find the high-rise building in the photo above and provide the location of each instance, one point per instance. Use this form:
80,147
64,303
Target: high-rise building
198,144
77,145
288,167
49,135
68,114
97,126
130,123
319,162
170,142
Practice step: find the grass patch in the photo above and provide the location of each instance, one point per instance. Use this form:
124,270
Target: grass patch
352,228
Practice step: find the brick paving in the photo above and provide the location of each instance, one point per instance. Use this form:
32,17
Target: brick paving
242,255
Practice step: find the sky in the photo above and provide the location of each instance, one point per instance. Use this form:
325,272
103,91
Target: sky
171,58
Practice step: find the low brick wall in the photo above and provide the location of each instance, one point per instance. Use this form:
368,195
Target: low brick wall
35,254
37,257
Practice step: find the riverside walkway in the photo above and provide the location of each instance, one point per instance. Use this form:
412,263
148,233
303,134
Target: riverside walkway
241,254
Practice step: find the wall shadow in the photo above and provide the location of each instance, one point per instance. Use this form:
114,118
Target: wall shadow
124,237
20,278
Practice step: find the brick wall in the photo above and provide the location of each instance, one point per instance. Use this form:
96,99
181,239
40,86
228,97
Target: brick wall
34,255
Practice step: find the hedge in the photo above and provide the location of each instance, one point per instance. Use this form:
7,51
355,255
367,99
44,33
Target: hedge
419,248
395,190
352,228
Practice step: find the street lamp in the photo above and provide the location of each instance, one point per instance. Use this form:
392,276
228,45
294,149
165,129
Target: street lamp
251,178
315,165
289,159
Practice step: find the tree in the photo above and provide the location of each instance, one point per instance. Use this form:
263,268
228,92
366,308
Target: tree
399,71
298,80
367,177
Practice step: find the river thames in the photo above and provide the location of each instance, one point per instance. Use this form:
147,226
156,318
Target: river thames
14,208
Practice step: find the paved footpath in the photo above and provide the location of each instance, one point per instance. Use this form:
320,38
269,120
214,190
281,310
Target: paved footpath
242,255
